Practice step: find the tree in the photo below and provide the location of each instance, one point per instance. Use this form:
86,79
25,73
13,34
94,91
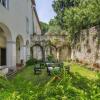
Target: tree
75,15
44,27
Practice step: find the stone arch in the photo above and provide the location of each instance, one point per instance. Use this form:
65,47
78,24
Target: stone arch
6,31
20,38
5,38
50,49
19,50
38,52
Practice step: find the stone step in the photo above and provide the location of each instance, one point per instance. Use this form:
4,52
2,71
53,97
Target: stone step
10,73
3,70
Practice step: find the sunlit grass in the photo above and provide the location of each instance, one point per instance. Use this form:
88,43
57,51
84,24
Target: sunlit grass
27,75
24,84
82,70
27,86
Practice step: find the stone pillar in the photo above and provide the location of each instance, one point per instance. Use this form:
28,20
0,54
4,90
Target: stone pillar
11,54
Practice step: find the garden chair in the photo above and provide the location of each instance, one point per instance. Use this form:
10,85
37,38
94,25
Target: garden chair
37,69
43,65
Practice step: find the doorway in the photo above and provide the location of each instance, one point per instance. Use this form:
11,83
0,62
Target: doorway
2,56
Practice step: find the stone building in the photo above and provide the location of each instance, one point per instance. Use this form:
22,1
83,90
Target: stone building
18,21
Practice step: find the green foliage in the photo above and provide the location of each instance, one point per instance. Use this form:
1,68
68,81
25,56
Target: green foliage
75,15
56,71
54,30
50,58
33,61
53,22
30,62
44,27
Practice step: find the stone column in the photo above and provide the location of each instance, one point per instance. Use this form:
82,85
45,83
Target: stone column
11,54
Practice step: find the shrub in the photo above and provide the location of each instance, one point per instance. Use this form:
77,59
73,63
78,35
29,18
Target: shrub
50,58
55,71
33,61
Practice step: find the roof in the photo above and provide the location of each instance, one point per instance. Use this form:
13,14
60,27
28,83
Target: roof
33,2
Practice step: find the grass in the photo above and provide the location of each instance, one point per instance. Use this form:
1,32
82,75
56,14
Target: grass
27,75
23,85
27,86
82,71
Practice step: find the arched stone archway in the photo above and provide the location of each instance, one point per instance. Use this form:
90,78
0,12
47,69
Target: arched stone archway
5,49
50,50
19,50
6,31
38,52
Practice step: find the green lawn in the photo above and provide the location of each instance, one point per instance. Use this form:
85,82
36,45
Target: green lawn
82,70
23,86
27,86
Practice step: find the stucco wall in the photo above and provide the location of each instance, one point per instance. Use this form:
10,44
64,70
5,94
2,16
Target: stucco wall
15,17
88,48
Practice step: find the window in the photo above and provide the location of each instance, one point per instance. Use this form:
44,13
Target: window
27,25
4,3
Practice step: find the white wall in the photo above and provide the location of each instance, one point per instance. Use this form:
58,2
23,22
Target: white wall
15,20
15,17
